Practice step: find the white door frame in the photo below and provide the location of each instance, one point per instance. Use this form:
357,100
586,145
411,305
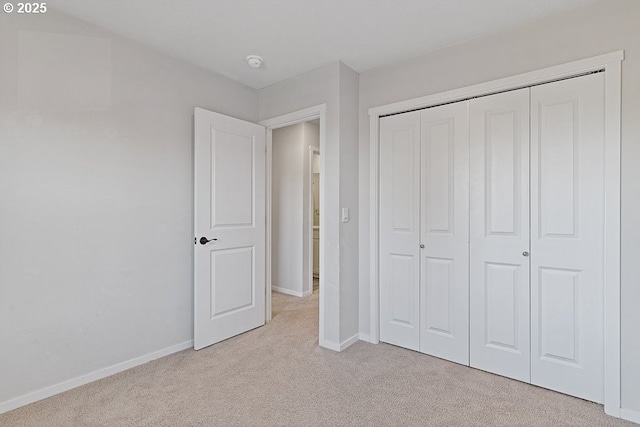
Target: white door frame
611,64
312,150
311,113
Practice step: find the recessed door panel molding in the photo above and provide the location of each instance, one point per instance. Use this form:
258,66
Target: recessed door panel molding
439,151
567,236
502,172
559,304
444,277
403,291
229,225
402,183
233,287
499,228
558,166
439,285
399,230
232,161
502,308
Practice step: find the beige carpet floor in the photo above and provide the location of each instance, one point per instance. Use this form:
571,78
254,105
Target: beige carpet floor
277,375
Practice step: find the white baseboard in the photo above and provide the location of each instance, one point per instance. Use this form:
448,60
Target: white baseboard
346,343
368,338
612,410
43,393
290,291
365,338
330,345
339,347
630,415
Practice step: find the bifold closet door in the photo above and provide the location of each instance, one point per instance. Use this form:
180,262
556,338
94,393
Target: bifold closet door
567,236
499,234
400,230
424,217
444,257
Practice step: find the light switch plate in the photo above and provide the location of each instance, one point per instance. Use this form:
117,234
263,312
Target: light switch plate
345,214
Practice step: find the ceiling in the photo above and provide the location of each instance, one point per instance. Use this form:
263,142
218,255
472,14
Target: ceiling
294,36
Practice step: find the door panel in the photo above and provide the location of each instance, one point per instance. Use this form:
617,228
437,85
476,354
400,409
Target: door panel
558,300
567,236
229,273
439,299
231,162
403,290
399,229
499,234
444,304
502,295
231,281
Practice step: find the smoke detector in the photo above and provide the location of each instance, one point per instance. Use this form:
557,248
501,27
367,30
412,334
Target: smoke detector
254,61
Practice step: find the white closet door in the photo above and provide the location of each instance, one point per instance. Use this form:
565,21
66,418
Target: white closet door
567,195
499,229
400,229
444,275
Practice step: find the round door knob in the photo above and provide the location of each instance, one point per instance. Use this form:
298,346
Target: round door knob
421,246
525,253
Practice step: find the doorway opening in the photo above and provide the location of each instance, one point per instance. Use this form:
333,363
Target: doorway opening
295,210
313,120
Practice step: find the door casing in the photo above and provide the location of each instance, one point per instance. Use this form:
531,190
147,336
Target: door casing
611,64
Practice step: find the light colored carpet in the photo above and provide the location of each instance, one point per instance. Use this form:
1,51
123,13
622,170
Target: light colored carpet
277,375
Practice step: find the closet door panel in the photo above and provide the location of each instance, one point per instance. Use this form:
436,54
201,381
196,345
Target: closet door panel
567,236
400,229
444,276
499,234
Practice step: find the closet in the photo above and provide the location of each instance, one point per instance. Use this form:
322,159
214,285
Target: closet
492,233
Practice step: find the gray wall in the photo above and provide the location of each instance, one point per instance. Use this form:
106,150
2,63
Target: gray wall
95,197
591,30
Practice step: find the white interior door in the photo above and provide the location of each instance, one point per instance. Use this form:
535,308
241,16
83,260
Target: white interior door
400,230
229,270
499,234
444,257
567,236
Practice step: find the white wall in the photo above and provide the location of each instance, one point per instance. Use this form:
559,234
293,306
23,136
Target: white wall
591,30
323,86
290,209
96,197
